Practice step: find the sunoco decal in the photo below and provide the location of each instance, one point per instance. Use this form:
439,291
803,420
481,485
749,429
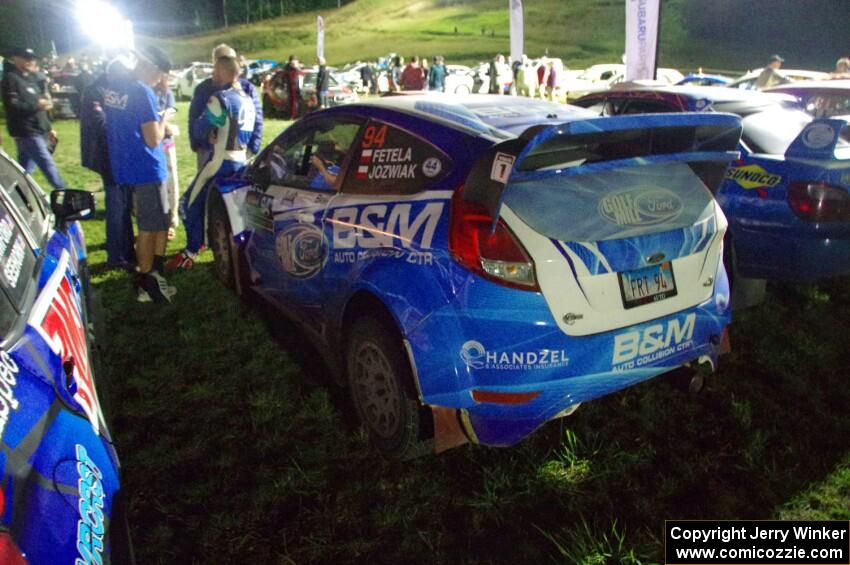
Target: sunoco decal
8,381
640,207
91,526
475,356
56,317
302,250
656,342
753,176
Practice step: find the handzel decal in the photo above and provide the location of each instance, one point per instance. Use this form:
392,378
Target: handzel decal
302,250
475,356
753,176
382,225
640,207
56,317
91,527
653,343
8,380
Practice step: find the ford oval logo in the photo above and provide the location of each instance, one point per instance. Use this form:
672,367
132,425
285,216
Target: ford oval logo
302,250
641,207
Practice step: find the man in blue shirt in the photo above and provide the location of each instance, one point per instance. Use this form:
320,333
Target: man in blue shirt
228,124
134,132
199,103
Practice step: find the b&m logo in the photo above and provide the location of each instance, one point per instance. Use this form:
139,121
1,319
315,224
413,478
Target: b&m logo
640,207
380,225
475,356
653,343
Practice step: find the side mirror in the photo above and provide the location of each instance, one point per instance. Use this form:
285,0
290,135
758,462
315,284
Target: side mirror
69,204
260,176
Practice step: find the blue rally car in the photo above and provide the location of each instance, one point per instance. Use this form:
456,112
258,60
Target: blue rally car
478,266
59,501
788,198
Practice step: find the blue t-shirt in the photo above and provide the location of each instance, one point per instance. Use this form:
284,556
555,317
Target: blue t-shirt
128,104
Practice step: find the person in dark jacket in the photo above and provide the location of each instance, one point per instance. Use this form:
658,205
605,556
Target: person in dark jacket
437,76
292,77
322,81
26,104
199,103
94,150
367,76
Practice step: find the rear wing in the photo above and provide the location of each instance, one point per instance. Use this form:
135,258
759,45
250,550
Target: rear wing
706,142
823,140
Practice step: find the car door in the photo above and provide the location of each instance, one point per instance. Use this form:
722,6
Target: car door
287,252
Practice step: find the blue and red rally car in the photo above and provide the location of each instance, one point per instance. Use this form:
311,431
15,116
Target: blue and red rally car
478,266
60,497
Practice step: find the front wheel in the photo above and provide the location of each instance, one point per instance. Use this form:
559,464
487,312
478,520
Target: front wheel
378,378
220,237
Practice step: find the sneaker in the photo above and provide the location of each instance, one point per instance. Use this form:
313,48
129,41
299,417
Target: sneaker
184,260
154,288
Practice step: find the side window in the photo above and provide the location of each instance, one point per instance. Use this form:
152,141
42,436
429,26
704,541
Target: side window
390,160
313,158
636,106
17,259
26,197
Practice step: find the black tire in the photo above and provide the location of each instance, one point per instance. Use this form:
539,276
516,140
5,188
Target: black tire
220,238
379,379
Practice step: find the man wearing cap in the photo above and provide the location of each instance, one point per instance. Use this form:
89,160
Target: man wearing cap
26,107
202,94
134,132
770,75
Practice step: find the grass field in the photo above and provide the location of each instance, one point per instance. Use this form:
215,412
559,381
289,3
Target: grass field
235,448
581,32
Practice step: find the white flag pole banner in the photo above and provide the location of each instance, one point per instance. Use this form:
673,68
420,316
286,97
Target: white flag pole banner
516,30
320,37
641,38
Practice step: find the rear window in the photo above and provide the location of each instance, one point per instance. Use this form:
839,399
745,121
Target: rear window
772,132
614,204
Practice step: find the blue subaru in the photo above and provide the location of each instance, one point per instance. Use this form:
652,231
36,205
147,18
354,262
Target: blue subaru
60,500
474,267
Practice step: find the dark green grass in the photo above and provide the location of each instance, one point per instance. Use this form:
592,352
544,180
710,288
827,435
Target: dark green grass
235,448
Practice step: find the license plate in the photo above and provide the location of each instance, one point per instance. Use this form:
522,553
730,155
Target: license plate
646,285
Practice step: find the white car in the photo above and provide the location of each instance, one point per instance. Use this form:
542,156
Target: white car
190,78
460,79
748,81
611,77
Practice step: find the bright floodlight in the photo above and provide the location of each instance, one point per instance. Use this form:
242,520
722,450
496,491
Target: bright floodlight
103,23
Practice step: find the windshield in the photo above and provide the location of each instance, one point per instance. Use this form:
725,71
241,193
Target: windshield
773,131
614,204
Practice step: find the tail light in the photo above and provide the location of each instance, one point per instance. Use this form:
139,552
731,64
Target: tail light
496,256
819,202
10,553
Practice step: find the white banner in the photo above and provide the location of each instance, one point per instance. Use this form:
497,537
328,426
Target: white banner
641,38
516,30
320,37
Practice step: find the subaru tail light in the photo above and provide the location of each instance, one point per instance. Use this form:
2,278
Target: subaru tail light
496,256
819,202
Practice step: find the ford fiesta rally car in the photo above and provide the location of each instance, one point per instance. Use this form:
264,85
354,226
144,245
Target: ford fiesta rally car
482,265
788,198
60,498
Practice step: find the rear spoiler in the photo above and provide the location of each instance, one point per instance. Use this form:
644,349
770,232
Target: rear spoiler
708,140
819,139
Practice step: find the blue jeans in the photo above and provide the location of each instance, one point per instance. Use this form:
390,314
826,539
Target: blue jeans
323,99
33,151
119,225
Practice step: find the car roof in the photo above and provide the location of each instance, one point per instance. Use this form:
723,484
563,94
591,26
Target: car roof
711,93
492,115
836,84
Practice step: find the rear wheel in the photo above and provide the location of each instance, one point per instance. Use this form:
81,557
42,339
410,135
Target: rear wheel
378,378
220,237
462,89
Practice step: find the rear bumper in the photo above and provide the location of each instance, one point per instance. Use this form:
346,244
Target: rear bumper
510,369
792,255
